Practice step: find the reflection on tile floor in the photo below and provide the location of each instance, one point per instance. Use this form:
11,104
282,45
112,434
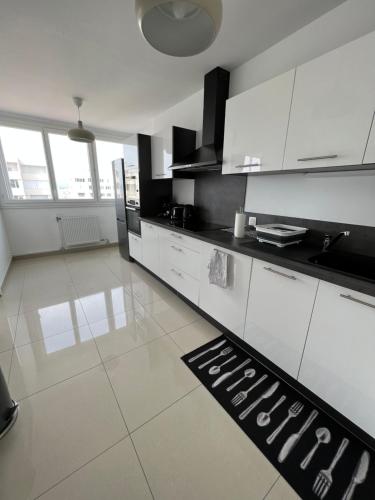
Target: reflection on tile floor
91,344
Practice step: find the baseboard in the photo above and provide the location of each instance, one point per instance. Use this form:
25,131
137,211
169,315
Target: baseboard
3,280
63,251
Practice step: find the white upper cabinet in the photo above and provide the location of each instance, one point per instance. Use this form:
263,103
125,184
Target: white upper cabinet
370,150
278,314
226,305
256,123
338,361
332,108
161,151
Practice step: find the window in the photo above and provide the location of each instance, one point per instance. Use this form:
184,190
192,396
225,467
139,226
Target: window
71,165
106,152
26,165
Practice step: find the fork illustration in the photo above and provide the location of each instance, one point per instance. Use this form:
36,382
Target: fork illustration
293,412
324,480
241,396
224,352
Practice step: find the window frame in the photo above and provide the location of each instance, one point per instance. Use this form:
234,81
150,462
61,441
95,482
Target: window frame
45,129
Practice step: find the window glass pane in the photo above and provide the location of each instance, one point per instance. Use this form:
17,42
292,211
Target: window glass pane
72,168
26,164
106,152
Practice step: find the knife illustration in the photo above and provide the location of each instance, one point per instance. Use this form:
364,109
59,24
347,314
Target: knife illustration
359,475
293,439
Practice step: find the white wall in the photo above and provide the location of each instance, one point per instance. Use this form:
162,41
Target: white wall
5,253
35,230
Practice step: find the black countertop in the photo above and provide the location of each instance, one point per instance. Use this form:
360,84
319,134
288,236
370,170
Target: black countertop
294,257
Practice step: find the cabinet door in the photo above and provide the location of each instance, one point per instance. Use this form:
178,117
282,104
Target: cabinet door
338,361
278,314
226,305
150,247
135,247
370,149
332,107
161,150
256,125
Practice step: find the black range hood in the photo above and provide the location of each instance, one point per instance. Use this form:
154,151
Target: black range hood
210,155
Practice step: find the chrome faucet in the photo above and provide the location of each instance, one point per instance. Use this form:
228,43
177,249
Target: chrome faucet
329,240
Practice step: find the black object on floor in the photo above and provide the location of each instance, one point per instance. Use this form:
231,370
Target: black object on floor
317,456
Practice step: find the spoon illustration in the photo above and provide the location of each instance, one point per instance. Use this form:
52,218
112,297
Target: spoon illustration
323,436
264,418
214,370
249,373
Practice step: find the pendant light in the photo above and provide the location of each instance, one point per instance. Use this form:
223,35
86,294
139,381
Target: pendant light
179,27
80,134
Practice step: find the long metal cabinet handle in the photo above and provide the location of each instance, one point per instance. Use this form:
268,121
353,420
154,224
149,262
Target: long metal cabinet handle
358,301
312,158
176,235
176,248
176,272
289,276
248,165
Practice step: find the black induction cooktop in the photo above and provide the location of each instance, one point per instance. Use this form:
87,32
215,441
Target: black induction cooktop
196,226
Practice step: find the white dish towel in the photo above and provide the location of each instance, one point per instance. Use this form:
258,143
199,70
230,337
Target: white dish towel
219,269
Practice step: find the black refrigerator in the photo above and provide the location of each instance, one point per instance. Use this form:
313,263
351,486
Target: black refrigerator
120,205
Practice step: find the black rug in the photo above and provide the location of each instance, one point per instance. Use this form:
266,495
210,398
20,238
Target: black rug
353,471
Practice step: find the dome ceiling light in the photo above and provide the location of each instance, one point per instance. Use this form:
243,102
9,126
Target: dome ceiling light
179,28
80,134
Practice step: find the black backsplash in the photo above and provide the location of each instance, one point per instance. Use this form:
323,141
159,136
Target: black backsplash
361,239
219,196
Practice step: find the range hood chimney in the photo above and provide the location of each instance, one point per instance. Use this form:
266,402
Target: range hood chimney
210,155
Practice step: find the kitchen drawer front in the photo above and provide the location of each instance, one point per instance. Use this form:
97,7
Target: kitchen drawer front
226,305
135,247
278,313
183,259
338,361
183,283
186,241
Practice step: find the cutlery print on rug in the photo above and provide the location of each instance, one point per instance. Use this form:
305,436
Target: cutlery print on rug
319,458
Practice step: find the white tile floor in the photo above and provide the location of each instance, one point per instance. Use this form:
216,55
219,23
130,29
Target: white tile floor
91,346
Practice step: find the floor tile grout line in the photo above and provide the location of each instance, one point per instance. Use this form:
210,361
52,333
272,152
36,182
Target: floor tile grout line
122,416
81,467
165,409
272,486
126,426
20,400
16,329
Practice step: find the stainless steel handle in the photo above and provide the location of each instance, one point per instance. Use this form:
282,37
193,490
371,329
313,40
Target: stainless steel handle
248,165
177,249
177,273
131,208
358,301
176,235
289,276
312,158
159,175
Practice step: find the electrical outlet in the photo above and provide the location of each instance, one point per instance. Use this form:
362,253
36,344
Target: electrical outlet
252,221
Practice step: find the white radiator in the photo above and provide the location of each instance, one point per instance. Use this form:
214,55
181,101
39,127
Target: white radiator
77,230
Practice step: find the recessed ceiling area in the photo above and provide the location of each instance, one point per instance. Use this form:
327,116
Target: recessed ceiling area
50,51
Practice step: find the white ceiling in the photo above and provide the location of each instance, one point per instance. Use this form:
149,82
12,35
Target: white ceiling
53,49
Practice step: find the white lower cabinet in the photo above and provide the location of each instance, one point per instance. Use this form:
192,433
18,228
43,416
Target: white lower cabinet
338,361
150,247
226,305
135,247
278,313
